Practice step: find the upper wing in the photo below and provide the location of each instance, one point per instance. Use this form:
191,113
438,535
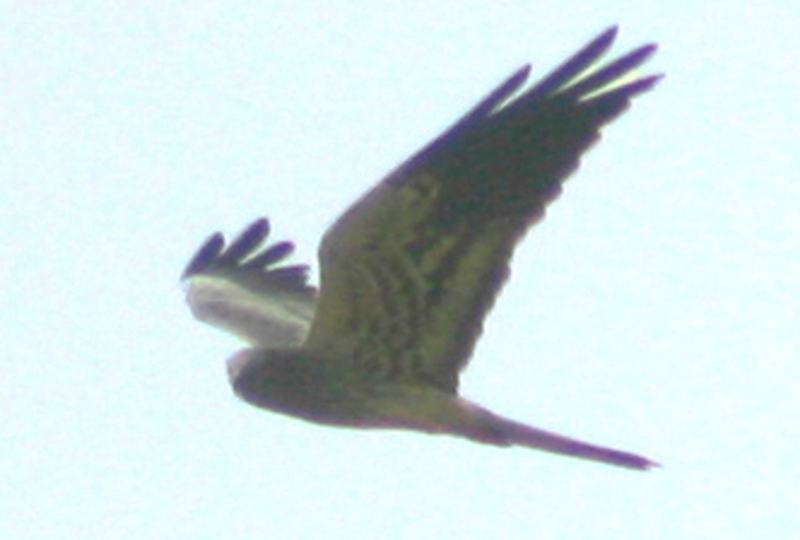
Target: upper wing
239,289
409,272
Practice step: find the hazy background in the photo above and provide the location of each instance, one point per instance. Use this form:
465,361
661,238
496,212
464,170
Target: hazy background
655,310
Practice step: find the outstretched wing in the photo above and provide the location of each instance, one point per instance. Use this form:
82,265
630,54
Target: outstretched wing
409,272
239,288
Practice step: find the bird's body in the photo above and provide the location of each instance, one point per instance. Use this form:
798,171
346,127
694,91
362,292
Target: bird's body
409,272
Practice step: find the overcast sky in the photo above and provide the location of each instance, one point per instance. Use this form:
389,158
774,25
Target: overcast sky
654,310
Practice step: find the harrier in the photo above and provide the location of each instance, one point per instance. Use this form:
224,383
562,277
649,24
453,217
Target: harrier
409,272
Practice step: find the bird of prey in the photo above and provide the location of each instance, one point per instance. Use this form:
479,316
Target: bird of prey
409,272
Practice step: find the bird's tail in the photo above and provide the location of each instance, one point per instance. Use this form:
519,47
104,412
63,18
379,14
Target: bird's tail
505,432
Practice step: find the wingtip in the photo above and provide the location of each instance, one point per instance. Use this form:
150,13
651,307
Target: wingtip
654,465
262,224
248,241
609,33
636,87
646,51
521,74
643,464
270,256
605,39
623,459
204,256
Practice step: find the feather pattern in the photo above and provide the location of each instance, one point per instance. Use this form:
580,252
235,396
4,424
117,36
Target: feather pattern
410,271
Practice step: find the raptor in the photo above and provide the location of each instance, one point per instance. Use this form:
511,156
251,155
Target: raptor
409,272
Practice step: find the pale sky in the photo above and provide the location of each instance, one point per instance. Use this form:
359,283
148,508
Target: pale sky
654,310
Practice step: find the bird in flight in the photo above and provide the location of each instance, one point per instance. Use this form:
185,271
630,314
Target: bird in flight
409,272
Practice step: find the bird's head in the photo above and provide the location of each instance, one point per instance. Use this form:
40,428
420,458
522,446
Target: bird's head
257,374
277,379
